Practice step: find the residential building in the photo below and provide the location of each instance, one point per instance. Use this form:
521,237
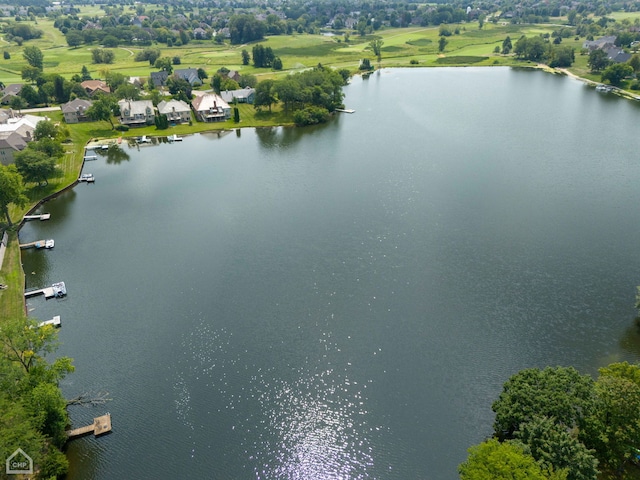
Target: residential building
176,111
136,113
159,78
76,110
10,91
10,143
243,95
211,108
15,134
189,74
94,86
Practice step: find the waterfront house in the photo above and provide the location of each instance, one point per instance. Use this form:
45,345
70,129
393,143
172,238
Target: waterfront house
176,111
10,91
242,95
211,108
136,113
76,110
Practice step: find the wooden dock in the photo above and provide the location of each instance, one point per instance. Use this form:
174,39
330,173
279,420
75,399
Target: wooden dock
345,110
100,426
38,244
55,321
43,216
56,290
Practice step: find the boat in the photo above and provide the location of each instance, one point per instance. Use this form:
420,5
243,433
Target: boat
59,289
45,243
144,139
87,177
604,88
174,138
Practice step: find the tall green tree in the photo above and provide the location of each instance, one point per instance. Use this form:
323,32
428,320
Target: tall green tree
246,58
501,461
506,45
598,60
12,190
34,57
376,47
616,73
265,95
102,109
442,42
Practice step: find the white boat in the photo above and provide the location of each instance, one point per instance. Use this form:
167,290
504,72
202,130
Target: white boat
144,139
604,88
45,243
59,289
87,177
174,138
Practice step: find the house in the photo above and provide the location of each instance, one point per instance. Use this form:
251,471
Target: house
10,143
233,75
159,78
94,86
10,91
188,74
176,111
136,113
211,108
243,95
76,110
601,43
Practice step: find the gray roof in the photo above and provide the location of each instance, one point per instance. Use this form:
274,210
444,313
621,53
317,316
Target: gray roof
159,78
76,105
188,74
130,108
165,106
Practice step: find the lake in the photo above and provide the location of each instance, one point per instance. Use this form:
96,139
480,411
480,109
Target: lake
345,301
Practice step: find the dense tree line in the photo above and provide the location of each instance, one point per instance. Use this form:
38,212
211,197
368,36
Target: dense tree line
558,424
311,95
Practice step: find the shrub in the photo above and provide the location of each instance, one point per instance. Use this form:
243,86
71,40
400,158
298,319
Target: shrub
413,61
122,128
310,116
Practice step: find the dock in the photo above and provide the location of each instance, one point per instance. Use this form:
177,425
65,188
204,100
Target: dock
42,216
88,158
100,426
345,110
57,290
55,321
38,244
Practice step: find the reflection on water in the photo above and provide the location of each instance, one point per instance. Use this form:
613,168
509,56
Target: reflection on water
309,422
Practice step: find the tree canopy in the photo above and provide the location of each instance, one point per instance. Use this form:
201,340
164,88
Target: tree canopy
12,189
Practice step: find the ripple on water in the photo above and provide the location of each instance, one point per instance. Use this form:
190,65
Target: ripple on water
295,423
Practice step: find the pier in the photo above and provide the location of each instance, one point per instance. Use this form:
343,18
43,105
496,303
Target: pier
55,321
38,244
100,426
57,290
42,216
345,110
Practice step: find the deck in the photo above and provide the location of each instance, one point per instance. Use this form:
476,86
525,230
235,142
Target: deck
42,216
56,290
55,321
38,244
100,426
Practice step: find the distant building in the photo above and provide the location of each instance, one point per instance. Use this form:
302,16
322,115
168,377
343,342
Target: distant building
159,78
188,74
211,108
94,86
608,45
76,110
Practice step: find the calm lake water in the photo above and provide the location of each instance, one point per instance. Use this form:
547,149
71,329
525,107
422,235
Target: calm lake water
345,302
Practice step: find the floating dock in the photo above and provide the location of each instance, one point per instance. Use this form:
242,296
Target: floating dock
87,177
88,158
100,426
39,244
42,216
57,290
345,110
55,321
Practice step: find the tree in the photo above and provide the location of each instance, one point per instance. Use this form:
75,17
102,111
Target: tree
442,43
101,55
265,95
34,57
85,75
559,392
635,63
376,46
18,103
277,63
245,29
102,109
616,73
45,129
216,83
177,85
202,74
127,90
500,461
236,115
74,38
598,60
31,74
554,448
35,166
246,58
506,45
561,57
164,63
481,19
6,55
12,190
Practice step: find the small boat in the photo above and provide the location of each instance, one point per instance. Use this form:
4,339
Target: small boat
174,138
144,139
87,177
45,244
604,88
59,289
